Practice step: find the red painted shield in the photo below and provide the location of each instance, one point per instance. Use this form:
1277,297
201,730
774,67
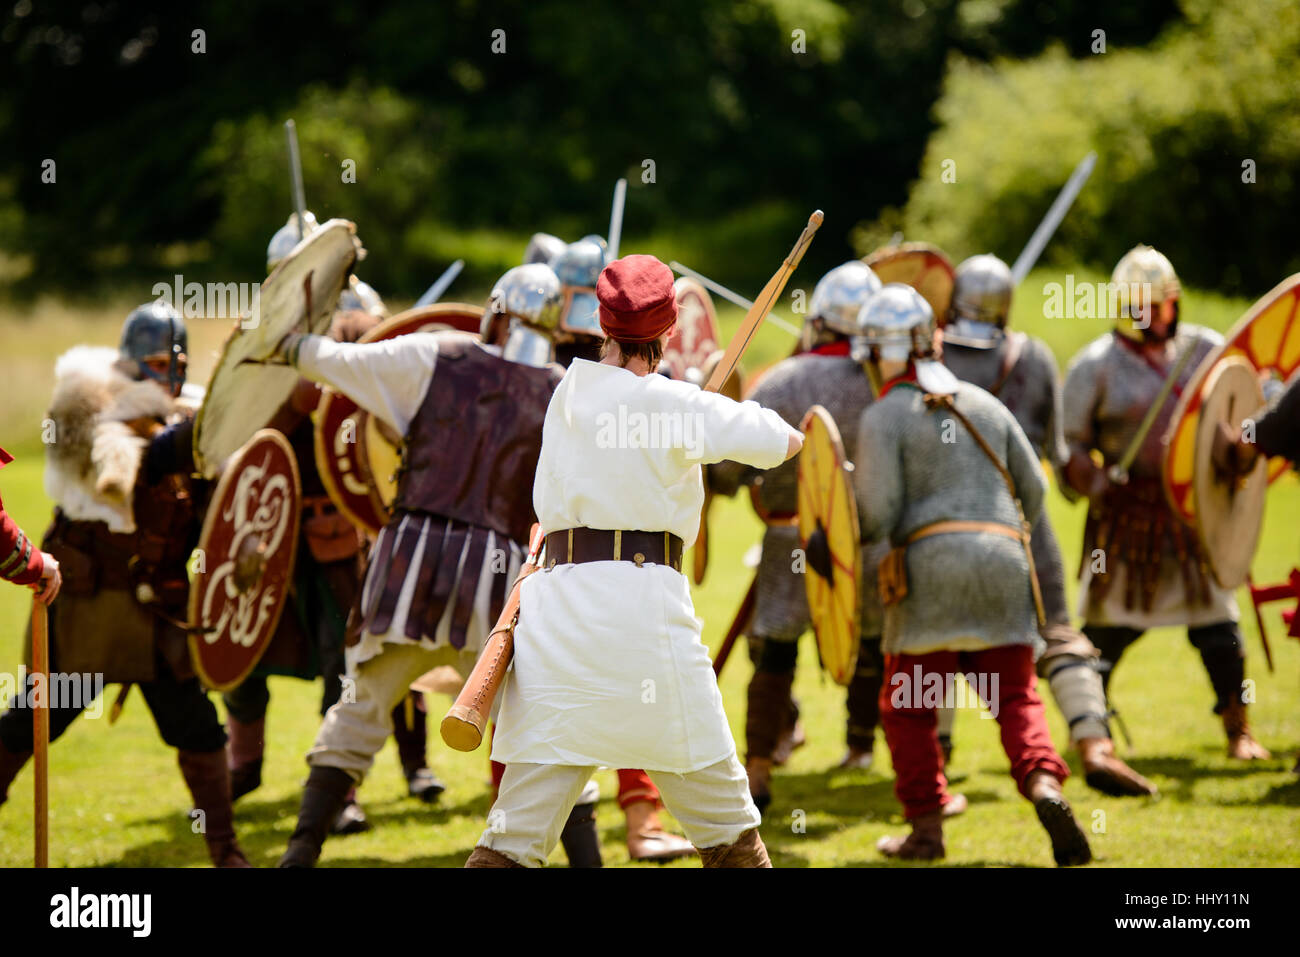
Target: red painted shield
244,564
696,336
345,460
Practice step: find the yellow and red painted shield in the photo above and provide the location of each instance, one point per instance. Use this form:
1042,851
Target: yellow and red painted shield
355,459
695,339
243,566
1268,337
830,537
923,266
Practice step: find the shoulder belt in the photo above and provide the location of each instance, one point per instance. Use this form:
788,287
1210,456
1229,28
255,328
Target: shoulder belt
1015,347
945,401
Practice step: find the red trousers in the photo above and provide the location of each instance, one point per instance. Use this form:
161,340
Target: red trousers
1004,679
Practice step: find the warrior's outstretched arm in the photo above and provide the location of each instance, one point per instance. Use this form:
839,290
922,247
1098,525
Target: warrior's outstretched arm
387,378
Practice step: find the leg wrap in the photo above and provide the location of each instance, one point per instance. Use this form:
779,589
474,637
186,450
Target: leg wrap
767,711
1076,686
864,695
1224,660
748,851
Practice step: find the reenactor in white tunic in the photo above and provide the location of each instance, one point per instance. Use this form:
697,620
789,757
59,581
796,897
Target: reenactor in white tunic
609,669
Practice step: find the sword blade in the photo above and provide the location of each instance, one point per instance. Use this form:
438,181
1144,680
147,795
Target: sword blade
616,218
434,292
295,176
734,298
1055,213
1119,471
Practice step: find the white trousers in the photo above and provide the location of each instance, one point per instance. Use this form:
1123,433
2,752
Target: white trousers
712,805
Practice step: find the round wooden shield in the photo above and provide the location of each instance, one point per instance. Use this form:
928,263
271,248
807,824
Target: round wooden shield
1268,337
355,462
829,535
1229,509
922,266
243,566
246,390
696,337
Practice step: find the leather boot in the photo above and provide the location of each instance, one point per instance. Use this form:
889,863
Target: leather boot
208,778
646,838
1241,744
1069,843
768,707
486,857
351,818
323,797
245,749
412,739
11,763
1107,773
747,851
580,838
925,843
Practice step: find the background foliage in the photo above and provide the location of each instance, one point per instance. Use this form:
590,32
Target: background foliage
168,159
1172,122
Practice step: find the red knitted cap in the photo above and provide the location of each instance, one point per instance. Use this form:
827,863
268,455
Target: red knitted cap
637,301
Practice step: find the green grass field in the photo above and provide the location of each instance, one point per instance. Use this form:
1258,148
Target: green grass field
117,798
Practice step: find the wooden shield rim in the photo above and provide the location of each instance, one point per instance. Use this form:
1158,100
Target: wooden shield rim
201,464
681,286
1230,575
815,418
209,520
1182,424
931,252
398,325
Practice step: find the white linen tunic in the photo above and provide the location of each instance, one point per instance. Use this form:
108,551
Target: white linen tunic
609,669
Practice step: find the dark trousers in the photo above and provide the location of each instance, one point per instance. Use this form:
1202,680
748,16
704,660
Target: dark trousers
1220,645
185,717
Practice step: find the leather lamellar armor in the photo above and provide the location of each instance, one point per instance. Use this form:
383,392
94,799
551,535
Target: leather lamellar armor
471,451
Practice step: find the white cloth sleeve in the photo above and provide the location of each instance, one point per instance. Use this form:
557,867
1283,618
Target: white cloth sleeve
741,431
387,378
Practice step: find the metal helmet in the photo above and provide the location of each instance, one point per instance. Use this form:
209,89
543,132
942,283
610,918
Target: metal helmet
1144,278
897,324
155,331
981,303
531,296
286,237
578,266
361,296
543,247
840,294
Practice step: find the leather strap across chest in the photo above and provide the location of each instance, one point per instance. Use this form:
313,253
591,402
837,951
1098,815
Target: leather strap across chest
579,545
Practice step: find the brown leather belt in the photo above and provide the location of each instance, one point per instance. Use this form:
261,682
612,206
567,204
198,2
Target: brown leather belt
958,525
579,545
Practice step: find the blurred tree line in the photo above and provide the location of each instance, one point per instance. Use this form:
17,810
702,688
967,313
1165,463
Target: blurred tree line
164,123
1197,134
